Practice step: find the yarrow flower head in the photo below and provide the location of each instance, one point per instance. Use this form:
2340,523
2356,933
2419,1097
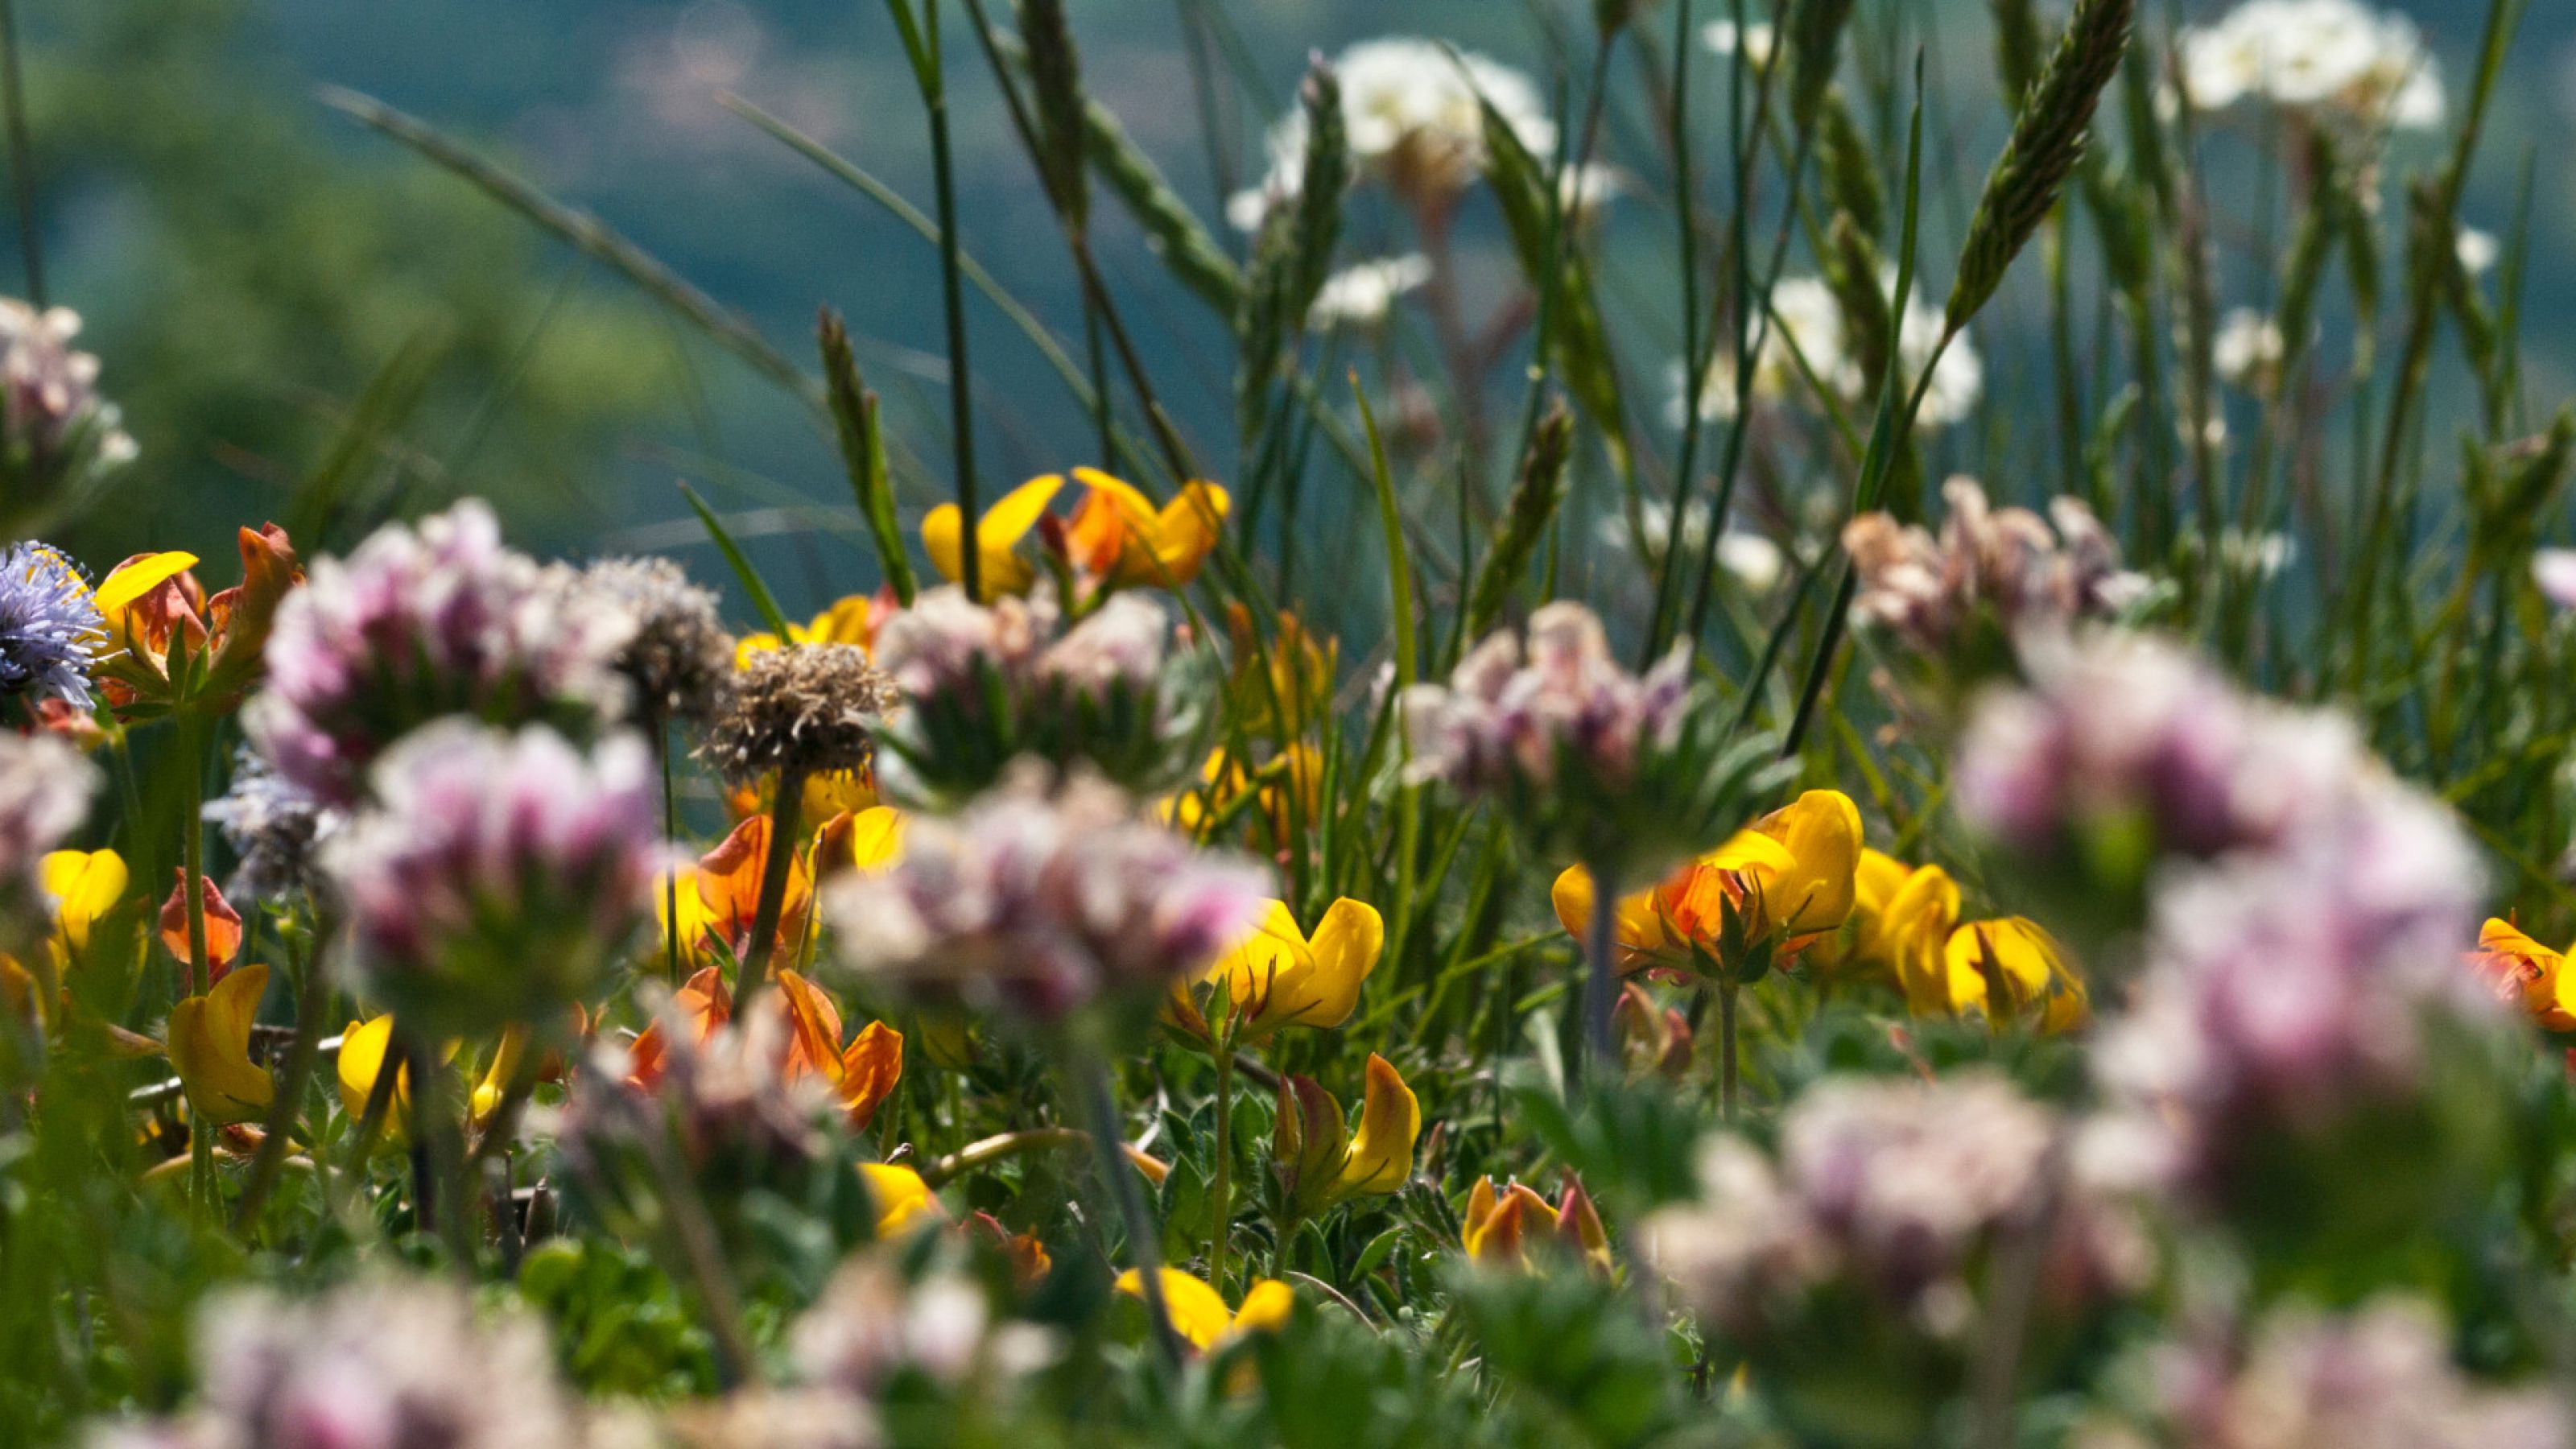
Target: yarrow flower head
1993,577
1593,762
2379,1377
2338,60
498,874
58,436
50,628
677,654
382,1362
1807,322
421,622
1893,1189
1040,902
984,686
1414,114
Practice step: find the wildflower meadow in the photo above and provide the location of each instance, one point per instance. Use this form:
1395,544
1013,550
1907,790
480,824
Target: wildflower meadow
1689,741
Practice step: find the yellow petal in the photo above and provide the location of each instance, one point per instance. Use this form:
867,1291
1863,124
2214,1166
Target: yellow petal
494,1088
210,1048
943,537
132,581
362,1055
1268,974
1821,829
1197,1311
902,1198
1382,1150
1266,1304
997,536
1346,947
1638,927
85,885
1185,532
876,838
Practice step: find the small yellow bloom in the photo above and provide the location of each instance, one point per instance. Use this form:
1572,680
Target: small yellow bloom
494,1087
1199,1314
1321,1162
2527,973
132,579
1276,977
997,537
876,838
363,1048
852,619
1118,536
210,1047
1787,878
903,1200
1499,1225
85,886
2026,961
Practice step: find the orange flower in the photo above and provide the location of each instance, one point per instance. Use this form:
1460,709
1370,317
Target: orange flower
728,887
863,1074
1119,537
1501,1224
704,1004
223,928
153,606
1786,879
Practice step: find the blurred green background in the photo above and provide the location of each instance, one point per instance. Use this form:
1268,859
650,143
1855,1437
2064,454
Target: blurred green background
273,288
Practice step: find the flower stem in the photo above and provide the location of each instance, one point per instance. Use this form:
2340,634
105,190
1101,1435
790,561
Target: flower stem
661,732
313,1000
1142,1237
192,852
1222,1202
1726,1063
774,869
1601,979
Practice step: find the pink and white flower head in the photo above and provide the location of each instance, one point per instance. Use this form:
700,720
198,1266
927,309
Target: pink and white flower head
2120,730
875,1323
1037,903
2003,567
497,874
733,1111
1513,716
422,622
383,1362
1892,1187
2380,1377
45,789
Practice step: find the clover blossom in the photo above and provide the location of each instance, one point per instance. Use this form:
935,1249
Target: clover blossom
1040,903
57,434
382,1362
424,621
874,1323
45,789
50,628
498,873
677,654
1990,572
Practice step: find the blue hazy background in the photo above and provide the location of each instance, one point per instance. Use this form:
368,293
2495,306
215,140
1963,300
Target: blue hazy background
259,271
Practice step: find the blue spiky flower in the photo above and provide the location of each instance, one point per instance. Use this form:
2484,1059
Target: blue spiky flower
50,628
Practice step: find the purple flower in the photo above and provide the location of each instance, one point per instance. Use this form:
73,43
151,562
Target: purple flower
421,623
50,629
497,874
1038,903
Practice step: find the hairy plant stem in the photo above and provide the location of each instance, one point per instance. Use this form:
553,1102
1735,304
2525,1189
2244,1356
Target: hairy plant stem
1727,1066
774,870
1601,979
312,1007
1107,1140
1221,1193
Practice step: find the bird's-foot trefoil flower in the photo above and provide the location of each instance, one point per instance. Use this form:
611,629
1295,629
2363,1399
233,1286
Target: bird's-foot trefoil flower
1198,1311
209,1046
1501,1226
1277,977
1320,1162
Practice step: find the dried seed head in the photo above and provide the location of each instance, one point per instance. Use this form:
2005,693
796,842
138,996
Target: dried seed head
678,655
805,709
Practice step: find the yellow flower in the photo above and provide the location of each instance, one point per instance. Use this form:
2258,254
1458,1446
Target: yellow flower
1785,879
85,886
1320,1162
903,1200
1296,772
210,1047
1199,1314
1276,977
1118,536
2527,973
129,581
494,1087
997,537
852,619
876,838
1499,1225
363,1048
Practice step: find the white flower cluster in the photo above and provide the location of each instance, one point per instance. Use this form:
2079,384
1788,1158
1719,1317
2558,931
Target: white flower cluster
1361,295
2334,58
1807,324
1413,110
